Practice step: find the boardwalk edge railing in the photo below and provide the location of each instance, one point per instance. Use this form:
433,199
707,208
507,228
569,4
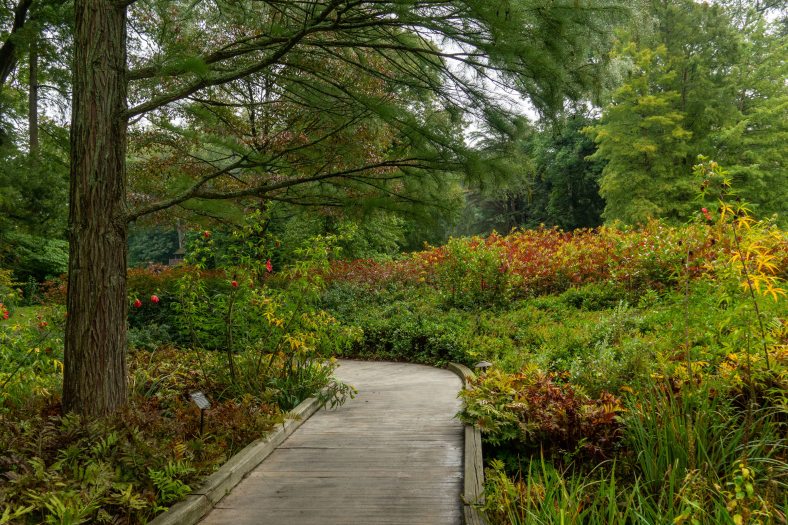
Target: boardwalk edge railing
473,489
218,485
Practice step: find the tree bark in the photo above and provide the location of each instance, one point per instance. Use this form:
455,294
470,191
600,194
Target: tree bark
32,97
94,381
8,49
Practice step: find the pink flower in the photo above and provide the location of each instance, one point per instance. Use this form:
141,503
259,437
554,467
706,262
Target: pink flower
269,266
154,299
137,303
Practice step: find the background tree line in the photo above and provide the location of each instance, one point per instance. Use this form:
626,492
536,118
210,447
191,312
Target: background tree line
685,78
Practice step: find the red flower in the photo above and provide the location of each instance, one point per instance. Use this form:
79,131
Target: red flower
154,299
269,266
137,303
206,234
706,213
42,324
234,283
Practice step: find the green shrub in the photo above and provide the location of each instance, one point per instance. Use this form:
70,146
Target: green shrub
31,360
472,274
34,257
607,368
594,296
150,336
9,297
412,331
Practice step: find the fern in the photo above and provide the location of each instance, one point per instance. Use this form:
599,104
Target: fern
168,485
9,515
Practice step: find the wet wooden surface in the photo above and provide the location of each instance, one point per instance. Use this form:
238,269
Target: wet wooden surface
392,455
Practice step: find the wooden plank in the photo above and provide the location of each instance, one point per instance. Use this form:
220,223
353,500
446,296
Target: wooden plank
392,455
473,487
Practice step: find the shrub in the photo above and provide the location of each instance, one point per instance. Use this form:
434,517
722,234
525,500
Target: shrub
542,412
594,296
472,273
8,295
411,331
34,257
31,359
150,336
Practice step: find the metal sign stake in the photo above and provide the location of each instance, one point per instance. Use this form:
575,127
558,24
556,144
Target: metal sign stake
203,404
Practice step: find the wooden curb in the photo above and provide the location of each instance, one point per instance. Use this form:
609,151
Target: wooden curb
218,485
473,490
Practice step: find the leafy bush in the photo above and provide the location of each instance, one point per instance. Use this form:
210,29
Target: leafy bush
273,339
411,331
33,257
31,360
149,336
594,296
471,273
543,261
608,368
541,412
8,295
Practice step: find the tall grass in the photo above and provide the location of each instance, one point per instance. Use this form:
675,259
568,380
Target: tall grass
688,458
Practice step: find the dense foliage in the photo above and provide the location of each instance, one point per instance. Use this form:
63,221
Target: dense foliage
634,313
697,85
638,375
255,344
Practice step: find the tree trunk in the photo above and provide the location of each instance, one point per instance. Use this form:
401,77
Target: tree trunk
32,97
8,49
94,381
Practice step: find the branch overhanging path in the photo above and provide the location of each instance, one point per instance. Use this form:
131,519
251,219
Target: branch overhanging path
392,455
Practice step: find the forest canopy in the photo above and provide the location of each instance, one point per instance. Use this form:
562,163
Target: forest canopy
390,119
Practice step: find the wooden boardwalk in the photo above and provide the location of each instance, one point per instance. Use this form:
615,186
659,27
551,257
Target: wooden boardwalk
392,455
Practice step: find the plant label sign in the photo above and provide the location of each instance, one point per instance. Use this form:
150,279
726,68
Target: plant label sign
200,400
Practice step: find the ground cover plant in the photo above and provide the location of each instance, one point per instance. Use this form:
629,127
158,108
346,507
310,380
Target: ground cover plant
639,375
249,337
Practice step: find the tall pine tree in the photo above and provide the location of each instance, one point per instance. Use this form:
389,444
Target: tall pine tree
194,49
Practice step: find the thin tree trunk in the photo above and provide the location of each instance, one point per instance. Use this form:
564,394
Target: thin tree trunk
94,380
8,49
32,97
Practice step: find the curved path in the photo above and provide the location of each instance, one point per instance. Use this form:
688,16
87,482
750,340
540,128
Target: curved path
392,455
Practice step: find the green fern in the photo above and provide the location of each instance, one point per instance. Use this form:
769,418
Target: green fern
10,515
168,485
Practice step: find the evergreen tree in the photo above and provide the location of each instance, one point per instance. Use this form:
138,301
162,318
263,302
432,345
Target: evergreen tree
643,139
570,176
753,145
193,50
545,178
708,80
